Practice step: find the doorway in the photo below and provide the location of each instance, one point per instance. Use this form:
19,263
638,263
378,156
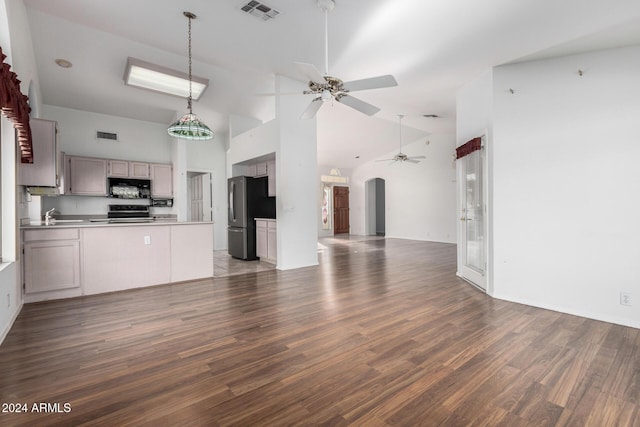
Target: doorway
375,201
472,197
200,196
340,210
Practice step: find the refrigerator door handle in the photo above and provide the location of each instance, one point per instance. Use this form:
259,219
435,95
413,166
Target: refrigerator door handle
233,190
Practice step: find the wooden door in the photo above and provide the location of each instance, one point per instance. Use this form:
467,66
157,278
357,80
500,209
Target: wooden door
340,210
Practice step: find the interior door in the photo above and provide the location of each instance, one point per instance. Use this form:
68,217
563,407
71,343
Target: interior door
200,208
340,210
472,206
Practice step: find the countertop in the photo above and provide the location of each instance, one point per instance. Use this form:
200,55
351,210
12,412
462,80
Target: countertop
107,223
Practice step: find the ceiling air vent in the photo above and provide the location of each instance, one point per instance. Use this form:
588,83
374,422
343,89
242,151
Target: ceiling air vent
108,136
260,10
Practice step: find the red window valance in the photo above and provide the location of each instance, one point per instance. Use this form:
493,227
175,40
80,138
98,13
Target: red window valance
14,105
468,147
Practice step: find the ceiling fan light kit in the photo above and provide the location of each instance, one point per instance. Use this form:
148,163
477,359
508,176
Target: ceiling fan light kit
189,126
328,88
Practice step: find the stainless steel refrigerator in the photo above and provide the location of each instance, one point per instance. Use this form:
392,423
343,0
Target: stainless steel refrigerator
247,200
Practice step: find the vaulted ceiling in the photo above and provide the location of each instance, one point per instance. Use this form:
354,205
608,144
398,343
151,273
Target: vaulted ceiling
431,47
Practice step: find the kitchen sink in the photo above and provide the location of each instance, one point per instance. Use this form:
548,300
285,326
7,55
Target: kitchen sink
56,221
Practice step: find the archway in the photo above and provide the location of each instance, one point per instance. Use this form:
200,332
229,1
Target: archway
375,200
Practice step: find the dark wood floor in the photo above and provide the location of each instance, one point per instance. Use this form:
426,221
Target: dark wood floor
381,333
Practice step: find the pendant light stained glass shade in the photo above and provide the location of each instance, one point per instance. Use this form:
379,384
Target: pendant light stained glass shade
190,127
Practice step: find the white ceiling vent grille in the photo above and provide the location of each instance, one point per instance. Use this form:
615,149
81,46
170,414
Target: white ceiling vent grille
107,136
260,10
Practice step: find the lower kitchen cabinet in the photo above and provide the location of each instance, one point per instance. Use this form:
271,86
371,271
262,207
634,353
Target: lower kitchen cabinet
63,262
118,258
266,248
51,264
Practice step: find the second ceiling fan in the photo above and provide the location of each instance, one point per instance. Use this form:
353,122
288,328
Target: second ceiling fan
401,157
332,88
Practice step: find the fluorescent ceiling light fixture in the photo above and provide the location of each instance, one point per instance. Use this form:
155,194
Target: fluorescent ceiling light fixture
157,78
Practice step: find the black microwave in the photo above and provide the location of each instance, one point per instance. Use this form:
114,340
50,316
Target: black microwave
129,188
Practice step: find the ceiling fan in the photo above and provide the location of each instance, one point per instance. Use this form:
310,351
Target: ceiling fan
332,88
401,157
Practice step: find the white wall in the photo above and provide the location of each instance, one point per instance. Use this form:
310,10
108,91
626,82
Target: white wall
296,179
138,140
420,198
257,142
565,155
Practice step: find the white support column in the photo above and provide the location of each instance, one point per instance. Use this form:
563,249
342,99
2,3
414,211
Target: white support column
296,179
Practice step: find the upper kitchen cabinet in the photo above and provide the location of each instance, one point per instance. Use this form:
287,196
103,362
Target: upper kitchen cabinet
118,168
271,175
139,170
86,176
266,168
161,181
44,171
126,169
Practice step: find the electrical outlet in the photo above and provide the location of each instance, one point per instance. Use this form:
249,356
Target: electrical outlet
625,298
147,240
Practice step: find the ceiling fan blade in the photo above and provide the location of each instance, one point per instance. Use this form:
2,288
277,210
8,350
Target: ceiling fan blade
357,104
312,109
276,93
370,83
311,72
386,160
417,157
412,161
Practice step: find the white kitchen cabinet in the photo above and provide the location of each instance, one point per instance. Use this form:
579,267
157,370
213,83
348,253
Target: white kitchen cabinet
118,258
271,178
139,170
161,181
261,169
125,169
44,171
51,264
261,240
191,251
272,248
86,176
266,247
252,170
118,168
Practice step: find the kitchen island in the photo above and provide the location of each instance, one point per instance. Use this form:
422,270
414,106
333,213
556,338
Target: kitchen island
72,258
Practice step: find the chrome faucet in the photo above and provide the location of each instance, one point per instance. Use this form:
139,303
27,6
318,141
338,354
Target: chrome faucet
48,216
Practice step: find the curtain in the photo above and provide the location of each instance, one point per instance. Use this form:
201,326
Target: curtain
468,147
16,108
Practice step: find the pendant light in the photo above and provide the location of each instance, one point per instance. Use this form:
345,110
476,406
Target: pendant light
189,126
